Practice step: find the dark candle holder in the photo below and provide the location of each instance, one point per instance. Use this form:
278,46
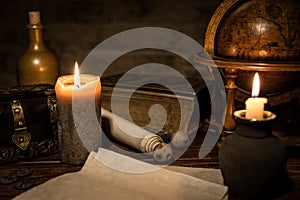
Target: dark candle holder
253,161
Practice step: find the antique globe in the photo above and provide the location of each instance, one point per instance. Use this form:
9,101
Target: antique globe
258,34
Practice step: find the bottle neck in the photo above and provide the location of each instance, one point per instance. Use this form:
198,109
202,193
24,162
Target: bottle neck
36,41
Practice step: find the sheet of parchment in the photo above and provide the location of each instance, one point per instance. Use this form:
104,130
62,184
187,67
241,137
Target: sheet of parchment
98,181
207,174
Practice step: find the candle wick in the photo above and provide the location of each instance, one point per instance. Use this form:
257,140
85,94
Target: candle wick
77,82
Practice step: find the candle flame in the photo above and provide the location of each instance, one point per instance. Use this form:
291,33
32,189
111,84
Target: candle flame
256,85
76,76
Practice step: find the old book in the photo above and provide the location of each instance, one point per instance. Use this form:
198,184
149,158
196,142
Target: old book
141,102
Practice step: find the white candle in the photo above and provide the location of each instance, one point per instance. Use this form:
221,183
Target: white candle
255,104
83,88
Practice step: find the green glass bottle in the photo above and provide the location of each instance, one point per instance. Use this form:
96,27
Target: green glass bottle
37,65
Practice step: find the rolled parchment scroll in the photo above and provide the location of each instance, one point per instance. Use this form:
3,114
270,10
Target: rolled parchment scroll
135,136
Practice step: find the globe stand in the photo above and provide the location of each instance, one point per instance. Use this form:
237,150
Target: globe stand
231,87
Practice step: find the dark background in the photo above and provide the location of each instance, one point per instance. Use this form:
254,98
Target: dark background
74,27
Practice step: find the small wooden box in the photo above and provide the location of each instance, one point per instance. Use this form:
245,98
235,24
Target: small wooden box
27,122
148,95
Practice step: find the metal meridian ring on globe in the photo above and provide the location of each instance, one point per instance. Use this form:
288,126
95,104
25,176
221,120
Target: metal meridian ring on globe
99,59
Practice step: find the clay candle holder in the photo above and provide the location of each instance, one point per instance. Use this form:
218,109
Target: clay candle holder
253,161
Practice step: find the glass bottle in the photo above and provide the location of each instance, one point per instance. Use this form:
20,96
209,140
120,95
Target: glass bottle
37,65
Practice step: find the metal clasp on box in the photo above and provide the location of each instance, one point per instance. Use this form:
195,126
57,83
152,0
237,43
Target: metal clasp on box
21,137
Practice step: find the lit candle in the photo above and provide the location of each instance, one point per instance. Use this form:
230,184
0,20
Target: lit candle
255,104
83,89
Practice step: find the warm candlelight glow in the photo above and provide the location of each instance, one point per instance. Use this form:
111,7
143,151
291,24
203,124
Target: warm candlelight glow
255,105
76,76
256,85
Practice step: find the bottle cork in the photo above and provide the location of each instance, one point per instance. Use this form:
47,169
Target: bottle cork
34,17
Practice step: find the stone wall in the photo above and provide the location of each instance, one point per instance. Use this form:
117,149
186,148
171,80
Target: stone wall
74,27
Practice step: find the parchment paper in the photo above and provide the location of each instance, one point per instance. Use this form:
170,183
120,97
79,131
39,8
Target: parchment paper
98,181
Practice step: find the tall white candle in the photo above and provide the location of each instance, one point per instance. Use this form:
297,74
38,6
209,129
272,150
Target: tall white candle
84,87
255,104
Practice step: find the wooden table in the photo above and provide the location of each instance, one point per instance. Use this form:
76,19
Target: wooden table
49,167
